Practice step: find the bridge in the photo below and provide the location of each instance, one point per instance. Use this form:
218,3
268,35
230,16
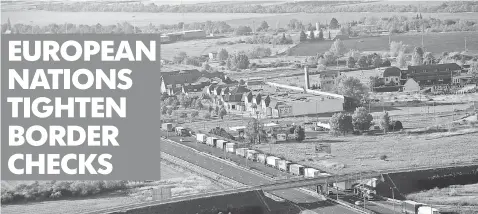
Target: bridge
284,188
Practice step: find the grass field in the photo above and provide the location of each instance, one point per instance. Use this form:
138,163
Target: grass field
461,198
362,153
433,42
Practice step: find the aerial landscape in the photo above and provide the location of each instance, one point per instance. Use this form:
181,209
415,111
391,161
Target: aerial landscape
278,106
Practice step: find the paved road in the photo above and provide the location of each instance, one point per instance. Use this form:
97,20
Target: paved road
350,198
249,178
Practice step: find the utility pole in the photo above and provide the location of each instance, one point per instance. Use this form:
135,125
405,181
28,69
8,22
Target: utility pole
393,196
465,43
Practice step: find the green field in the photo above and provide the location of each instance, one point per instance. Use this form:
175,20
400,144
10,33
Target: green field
433,42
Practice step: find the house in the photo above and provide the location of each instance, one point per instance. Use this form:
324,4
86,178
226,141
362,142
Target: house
213,55
392,76
328,79
247,99
233,102
463,79
433,74
411,86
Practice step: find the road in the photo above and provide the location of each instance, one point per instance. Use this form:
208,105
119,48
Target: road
377,206
249,178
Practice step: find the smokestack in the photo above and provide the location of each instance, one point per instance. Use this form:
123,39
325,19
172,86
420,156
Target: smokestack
317,26
306,75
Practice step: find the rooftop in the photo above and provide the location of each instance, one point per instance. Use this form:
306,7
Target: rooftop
175,68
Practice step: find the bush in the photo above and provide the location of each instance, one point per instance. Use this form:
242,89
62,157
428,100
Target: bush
383,157
57,190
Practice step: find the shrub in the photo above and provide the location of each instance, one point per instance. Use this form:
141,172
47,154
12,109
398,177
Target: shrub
383,157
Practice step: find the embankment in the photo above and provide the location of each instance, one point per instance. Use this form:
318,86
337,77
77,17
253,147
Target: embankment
415,181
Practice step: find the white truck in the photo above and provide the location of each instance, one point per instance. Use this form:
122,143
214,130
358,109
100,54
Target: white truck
241,152
344,185
284,165
201,138
211,141
271,161
296,169
311,173
251,154
412,207
231,147
221,144
167,127
261,158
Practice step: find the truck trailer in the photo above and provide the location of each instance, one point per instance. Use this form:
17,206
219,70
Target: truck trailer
271,161
311,173
284,165
231,147
412,207
167,127
211,141
201,138
251,154
221,144
296,169
241,152
261,158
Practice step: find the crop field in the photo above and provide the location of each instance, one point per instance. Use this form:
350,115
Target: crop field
182,182
107,18
199,47
362,153
433,42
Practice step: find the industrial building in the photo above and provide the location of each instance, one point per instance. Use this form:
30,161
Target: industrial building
183,35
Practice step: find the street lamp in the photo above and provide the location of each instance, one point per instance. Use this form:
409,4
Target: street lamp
393,196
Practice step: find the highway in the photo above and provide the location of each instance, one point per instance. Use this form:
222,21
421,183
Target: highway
369,205
248,178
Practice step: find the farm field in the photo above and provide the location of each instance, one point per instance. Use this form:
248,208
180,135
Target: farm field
182,181
233,19
456,197
362,153
433,42
199,47
107,18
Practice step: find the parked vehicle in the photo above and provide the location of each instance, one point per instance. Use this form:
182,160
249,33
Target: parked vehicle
344,185
261,158
181,131
231,147
284,165
412,207
241,152
167,127
271,161
211,141
221,144
201,138
359,203
296,169
311,173
251,154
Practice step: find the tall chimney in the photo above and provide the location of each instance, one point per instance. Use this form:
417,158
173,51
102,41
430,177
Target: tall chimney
317,26
306,75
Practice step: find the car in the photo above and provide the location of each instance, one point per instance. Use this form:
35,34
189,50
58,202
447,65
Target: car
358,203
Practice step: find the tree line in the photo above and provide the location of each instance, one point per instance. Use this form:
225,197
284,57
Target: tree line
308,7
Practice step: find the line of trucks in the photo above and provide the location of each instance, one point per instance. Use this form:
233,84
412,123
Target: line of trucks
250,154
179,131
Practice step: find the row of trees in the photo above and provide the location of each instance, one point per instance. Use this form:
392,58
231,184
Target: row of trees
297,7
360,120
120,28
256,132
